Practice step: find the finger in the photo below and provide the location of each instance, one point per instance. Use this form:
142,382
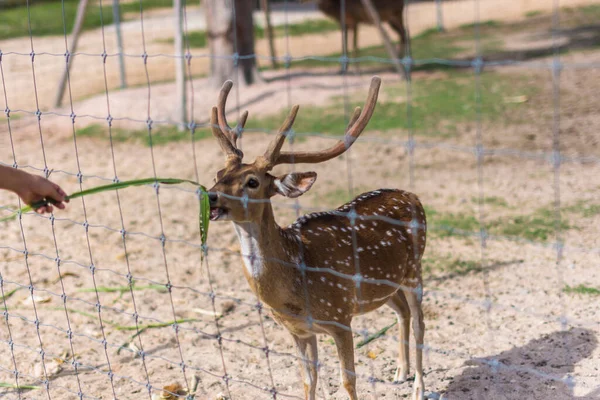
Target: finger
60,191
58,194
60,206
41,210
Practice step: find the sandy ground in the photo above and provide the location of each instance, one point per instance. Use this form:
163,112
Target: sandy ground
534,342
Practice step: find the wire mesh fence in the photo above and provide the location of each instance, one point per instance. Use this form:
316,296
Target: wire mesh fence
118,297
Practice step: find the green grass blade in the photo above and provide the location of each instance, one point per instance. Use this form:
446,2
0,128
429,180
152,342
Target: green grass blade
105,188
376,335
126,184
122,289
20,387
7,295
156,325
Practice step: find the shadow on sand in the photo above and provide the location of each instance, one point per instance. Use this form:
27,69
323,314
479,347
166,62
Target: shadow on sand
538,370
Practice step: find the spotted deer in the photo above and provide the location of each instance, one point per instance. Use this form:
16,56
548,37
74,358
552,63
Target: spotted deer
326,268
352,13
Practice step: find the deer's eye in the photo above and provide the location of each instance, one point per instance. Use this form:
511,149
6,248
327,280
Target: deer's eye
252,183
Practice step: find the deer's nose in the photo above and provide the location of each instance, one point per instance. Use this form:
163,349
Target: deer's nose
212,198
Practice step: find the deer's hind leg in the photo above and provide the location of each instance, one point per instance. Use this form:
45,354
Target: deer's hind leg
396,21
399,304
308,354
413,298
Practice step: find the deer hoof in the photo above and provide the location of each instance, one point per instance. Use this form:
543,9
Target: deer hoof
401,375
418,389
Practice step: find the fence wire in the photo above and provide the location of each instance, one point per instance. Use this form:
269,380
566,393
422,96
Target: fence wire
16,320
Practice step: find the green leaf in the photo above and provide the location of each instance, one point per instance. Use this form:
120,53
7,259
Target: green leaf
204,217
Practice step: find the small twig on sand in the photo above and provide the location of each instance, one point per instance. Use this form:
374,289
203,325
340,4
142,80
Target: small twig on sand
207,312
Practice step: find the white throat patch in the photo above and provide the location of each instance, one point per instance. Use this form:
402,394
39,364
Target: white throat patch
253,259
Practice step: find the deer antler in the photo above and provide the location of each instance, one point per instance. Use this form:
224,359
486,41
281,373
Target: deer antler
227,136
233,154
358,122
232,134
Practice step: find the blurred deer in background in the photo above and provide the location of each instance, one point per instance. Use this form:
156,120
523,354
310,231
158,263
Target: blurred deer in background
354,13
326,268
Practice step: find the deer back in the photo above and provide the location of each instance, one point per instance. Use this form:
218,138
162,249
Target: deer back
379,235
356,13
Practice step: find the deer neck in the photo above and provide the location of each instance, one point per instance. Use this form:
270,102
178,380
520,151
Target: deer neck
262,245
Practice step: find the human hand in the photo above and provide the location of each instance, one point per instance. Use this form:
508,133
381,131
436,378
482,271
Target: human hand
34,188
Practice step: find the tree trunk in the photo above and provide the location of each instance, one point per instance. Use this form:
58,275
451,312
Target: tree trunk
266,8
230,29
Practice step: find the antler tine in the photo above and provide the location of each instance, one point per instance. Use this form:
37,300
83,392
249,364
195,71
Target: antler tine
232,152
367,113
358,122
239,127
274,148
231,134
353,118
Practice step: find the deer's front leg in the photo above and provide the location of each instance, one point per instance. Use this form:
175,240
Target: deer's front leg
309,356
345,348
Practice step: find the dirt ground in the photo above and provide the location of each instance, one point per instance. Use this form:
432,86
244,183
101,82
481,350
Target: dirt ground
503,330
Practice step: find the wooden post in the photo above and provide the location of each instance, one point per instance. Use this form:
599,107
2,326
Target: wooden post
440,18
117,22
181,112
266,7
374,15
74,39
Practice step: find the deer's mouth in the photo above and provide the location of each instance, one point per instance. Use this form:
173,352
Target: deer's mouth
217,213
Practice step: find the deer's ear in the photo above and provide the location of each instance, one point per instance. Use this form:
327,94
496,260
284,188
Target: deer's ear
294,184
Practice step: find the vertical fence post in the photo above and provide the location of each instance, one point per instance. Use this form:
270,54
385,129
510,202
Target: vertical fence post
181,113
74,39
440,17
117,22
